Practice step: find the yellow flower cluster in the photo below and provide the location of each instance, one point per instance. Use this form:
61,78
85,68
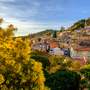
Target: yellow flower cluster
17,70
1,79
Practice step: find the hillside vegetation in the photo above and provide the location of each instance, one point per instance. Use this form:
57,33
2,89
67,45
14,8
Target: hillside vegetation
23,69
80,24
34,34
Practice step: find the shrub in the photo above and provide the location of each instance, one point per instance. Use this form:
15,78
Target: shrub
45,62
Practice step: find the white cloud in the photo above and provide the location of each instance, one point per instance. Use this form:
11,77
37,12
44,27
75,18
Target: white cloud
52,8
21,35
34,2
85,11
3,7
2,15
21,16
27,27
19,10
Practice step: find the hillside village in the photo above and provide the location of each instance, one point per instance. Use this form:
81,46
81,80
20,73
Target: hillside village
44,44
71,44
60,60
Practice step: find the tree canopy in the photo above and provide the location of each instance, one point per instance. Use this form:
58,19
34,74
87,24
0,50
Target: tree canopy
88,21
17,70
48,33
79,24
55,34
86,71
45,62
63,80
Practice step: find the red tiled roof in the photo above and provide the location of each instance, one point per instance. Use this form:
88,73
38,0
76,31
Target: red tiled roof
53,45
33,39
82,48
81,61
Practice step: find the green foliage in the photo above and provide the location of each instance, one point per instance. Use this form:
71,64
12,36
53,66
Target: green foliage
63,80
39,39
86,71
55,34
79,24
45,62
83,83
42,32
88,21
67,64
48,33
88,62
35,34
84,80
62,29
58,59
76,65
53,38
58,62
40,53
88,86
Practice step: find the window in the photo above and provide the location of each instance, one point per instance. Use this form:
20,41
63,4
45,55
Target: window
88,57
77,56
62,40
84,32
80,52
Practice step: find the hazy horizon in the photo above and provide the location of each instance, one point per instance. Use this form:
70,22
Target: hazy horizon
31,16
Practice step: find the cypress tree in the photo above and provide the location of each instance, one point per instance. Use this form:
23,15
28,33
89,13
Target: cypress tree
54,34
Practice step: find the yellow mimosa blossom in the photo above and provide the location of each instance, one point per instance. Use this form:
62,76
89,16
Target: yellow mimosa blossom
1,79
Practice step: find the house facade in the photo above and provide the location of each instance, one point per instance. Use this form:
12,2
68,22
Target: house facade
80,53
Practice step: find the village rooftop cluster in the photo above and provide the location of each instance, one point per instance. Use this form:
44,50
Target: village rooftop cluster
74,45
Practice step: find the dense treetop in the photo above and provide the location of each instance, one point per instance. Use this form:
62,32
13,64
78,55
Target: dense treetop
80,24
17,70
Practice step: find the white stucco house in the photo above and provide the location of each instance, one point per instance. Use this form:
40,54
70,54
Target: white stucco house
57,51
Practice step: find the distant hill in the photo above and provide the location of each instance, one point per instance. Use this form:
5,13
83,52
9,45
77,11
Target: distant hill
34,34
42,32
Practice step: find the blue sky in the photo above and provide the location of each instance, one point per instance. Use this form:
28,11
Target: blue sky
31,16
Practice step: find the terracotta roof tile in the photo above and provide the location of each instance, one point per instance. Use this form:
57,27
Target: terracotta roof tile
53,45
81,61
82,48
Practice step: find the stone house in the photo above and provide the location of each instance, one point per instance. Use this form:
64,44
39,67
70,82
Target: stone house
80,53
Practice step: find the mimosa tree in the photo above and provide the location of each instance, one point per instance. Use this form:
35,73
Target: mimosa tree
17,70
